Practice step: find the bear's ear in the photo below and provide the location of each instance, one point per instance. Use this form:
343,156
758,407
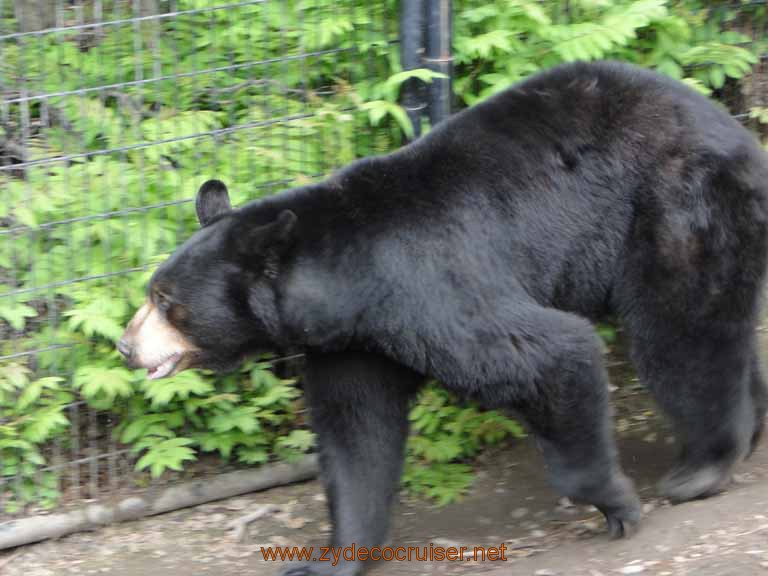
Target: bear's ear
269,239
212,200
281,230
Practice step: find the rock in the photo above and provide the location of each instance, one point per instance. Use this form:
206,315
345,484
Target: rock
745,478
485,521
649,507
518,513
446,543
591,526
293,522
279,541
237,504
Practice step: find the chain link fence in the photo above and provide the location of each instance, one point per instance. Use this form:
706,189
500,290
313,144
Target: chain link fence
111,115
112,112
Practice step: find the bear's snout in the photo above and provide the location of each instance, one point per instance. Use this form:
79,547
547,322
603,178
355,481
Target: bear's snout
125,349
150,341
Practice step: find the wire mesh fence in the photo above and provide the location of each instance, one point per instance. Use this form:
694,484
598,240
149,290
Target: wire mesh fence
111,113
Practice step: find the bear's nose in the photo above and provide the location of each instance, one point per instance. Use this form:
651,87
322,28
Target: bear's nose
124,348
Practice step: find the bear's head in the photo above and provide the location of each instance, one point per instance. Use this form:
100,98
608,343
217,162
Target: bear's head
213,302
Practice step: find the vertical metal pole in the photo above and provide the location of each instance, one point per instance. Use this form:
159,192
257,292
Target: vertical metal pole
439,59
411,47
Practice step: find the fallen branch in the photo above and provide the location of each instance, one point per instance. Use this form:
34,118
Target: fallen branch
755,531
28,530
240,525
10,558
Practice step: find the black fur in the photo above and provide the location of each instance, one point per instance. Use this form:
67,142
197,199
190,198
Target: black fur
475,256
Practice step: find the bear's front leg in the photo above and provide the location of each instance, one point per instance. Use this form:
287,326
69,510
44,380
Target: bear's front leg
359,410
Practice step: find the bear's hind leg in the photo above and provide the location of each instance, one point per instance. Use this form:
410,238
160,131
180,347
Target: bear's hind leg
359,410
706,384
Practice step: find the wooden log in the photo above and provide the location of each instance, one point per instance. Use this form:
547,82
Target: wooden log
37,528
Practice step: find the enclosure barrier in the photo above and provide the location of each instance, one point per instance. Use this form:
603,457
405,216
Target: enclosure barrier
112,112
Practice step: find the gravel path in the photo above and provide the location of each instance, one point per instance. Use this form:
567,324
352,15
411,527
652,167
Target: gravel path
722,536
509,503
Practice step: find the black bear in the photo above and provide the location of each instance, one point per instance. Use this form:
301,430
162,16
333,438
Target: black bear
476,255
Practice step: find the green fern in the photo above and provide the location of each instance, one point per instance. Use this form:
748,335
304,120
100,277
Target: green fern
179,387
16,313
44,424
104,384
333,111
166,454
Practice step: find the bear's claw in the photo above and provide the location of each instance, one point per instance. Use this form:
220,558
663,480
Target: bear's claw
687,483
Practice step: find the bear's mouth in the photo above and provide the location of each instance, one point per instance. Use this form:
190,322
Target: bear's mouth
166,367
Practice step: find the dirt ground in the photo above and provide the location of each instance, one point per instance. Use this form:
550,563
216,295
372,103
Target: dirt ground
510,503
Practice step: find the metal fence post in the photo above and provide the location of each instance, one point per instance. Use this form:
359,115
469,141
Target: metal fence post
411,48
438,58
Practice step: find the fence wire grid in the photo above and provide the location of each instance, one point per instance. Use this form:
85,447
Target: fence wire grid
112,113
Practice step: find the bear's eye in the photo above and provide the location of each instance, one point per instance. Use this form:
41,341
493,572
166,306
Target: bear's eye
162,301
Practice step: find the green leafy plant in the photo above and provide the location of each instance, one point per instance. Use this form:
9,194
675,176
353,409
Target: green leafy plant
250,105
759,113
389,91
502,41
31,415
445,437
